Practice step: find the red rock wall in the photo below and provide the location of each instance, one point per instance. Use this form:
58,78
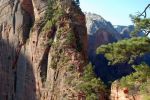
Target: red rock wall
25,57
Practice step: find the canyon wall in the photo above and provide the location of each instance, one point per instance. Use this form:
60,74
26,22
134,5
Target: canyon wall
38,63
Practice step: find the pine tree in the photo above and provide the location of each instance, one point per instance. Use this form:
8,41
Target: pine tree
91,86
139,80
141,22
125,50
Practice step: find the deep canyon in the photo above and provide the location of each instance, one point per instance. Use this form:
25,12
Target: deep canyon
44,59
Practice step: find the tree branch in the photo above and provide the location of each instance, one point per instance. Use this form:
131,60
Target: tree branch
147,32
144,13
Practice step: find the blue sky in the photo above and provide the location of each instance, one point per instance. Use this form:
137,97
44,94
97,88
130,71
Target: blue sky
115,11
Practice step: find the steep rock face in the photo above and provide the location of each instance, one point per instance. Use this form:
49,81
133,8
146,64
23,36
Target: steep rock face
100,32
39,7
17,76
39,64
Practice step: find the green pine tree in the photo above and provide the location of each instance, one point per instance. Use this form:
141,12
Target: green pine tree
125,50
91,86
141,22
139,80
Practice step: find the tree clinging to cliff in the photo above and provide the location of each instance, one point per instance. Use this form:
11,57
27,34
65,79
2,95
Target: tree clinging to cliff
142,22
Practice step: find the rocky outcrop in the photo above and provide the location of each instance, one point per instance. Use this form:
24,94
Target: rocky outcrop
38,63
119,93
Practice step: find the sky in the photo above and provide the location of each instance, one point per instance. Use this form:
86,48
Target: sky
115,11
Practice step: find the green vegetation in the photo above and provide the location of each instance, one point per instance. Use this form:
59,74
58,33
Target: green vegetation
71,67
141,24
145,87
55,54
138,80
70,38
53,13
48,25
125,50
90,85
50,10
49,42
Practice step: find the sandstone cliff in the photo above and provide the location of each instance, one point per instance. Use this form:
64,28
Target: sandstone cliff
39,60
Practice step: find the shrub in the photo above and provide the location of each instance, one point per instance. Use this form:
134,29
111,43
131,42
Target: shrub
70,38
138,80
50,41
47,26
91,85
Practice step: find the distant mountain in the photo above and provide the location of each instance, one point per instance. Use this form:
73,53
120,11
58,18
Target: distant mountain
125,31
94,22
99,32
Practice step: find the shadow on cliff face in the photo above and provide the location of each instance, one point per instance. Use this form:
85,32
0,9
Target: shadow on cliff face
110,73
106,72
17,81
102,69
